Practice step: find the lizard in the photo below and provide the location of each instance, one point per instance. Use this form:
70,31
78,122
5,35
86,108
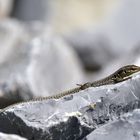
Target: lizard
122,74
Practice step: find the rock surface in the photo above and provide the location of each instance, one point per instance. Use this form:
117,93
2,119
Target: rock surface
28,10
73,116
112,40
121,34
10,137
14,59
34,60
54,66
131,57
13,92
126,128
94,49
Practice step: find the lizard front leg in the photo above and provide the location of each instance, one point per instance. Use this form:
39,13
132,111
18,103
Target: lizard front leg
84,86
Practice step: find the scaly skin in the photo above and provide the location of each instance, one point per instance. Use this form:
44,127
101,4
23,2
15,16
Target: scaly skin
120,75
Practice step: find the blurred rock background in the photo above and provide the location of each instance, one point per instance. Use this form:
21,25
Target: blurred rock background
50,46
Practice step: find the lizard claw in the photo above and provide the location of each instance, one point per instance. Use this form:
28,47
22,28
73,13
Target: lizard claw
84,86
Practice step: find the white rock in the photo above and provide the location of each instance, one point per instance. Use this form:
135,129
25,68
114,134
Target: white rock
123,27
54,66
127,127
72,112
13,51
46,64
10,137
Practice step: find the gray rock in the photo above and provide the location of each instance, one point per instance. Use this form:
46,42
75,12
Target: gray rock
73,116
13,92
126,128
14,60
117,36
94,49
34,61
54,66
121,34
28,10
14,54
10,137
131,57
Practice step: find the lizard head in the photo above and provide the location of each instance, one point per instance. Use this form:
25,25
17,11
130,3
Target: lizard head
127,71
